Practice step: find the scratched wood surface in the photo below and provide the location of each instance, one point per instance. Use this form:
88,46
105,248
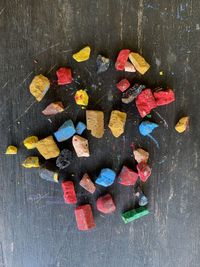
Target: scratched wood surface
36,228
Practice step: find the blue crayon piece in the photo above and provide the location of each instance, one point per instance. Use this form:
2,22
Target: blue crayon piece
106,177
147,127
80,127
66,131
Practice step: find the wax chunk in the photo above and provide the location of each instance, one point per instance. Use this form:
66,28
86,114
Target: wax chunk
164,97
84,217
53,109
182,124
141,155
103,63
82,55
39,86
80,127
144,171
145,102
134,214
30,142
80,145
64,76
65,132
31,162
87,183
48,148
139,62
69,192
11,150
106,177
129,95
122,59
127,176
117,122
63,160
123,85
105,204
95,122
81,98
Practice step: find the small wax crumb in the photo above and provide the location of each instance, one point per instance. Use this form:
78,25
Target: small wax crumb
11,150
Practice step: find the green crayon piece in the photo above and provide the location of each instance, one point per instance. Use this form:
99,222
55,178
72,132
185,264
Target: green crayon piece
134,214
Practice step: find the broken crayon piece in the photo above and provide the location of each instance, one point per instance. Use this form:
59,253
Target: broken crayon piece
123,85
106,177
134,214
144,171
53,109
64,76
84,217
87,183
65,132
69,192
141,155
164,97
105,204
48,173
122,59
182,124
141,199
129,67
117,122
80,145
127,176
147,127
39,86
48,148
31,162
82,55
95,122
103,63
30,142
139,62
132,93
145,102
11,150
63,160
80,127
81,98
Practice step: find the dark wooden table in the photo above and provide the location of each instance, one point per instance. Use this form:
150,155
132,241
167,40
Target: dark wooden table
36,228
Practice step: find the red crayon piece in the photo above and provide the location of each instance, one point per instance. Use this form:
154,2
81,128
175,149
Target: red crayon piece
144,171
122,59
123,85
127,176
84,217
164,97
105,204
145,102
69,192
64,76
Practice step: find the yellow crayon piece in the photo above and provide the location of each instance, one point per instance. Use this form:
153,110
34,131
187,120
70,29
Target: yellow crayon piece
139,62
39,86
81,98
30,142
48,148
11,150
31,162
117,122
182,124
95,122
82,55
